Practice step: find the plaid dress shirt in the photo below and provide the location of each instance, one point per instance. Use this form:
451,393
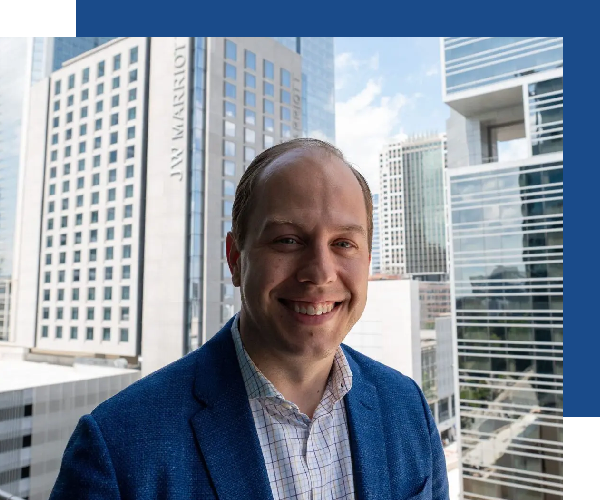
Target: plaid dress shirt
305,459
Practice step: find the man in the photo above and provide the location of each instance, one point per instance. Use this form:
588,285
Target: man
272,407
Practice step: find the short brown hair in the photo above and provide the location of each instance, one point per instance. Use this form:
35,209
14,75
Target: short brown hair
247,184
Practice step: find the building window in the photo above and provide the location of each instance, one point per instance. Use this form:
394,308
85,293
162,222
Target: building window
71,81
124,335
129,191
229,90
93,254
227,207
230,50
286,97
110,233
133,55
249,135
91,293
228,188
131,132
131,113
117,62
106,315
46,313
57,87
286,79
108,253
99,89
110,214
132,94
228,168
73,332
230,71
125,293
286,114
78,219
127,231
44,331
129,171
74,313
79,200
99,106
100,69
76,275
268,89
126,251
249,117
249,98
106,334
89,333
229,148
126,272
269,70
250,81
83,130
75,293
95,198
250,60
133,75
59,313
124,313
98,125
130,152
268,107
77,256
112,175
85,94
92,274
84,112
268,141
114,119
286,131
229,109
90,313
249,154
107,294
114,102
93,236
85,75
229,129
58,332
269,125
112,156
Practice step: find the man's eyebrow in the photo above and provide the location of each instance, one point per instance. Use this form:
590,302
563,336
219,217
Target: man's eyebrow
278,221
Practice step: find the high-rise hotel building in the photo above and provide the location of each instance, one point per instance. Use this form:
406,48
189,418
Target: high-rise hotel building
505,187
23,62
134,151
412,208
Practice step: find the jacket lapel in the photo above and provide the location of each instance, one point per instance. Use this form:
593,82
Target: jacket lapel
224,427
367,441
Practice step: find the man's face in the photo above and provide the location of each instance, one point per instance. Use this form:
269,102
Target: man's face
304,267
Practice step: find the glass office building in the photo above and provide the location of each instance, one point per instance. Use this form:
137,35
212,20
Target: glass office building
412,208
23,61
318,85
505,187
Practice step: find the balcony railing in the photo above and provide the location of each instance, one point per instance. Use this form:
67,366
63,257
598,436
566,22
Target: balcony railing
4,495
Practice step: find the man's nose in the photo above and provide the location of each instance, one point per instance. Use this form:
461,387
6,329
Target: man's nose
317,265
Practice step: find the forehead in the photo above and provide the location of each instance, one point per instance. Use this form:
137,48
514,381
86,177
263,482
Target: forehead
309,185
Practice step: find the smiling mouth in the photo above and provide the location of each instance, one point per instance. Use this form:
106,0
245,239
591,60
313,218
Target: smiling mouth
311,308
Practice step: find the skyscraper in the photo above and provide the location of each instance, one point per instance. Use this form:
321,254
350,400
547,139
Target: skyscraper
412,208
505,187
318,85
376,251
23,61
134,151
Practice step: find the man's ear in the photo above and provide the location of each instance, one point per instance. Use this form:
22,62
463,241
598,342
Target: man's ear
233,259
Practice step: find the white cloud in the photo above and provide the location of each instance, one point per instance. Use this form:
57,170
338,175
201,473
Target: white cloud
364,124
432,70
346,66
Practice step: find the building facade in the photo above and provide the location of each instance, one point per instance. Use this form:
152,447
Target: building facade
40,405
318,84
376,249
23,62
505,190
413,208
391,331
134,152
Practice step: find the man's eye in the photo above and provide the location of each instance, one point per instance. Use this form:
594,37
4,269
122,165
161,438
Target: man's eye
344,244
286,241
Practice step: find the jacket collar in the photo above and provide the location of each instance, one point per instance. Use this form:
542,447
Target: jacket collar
225,431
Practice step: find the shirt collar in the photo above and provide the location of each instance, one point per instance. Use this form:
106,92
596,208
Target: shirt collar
258,386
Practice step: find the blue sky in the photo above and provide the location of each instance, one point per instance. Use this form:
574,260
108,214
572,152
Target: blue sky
385,88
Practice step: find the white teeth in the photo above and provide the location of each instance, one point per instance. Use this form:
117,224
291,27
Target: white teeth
312,310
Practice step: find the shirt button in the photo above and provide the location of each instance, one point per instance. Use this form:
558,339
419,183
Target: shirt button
287,406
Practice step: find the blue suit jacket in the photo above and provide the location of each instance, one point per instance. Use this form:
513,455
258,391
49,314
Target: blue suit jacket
186,432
